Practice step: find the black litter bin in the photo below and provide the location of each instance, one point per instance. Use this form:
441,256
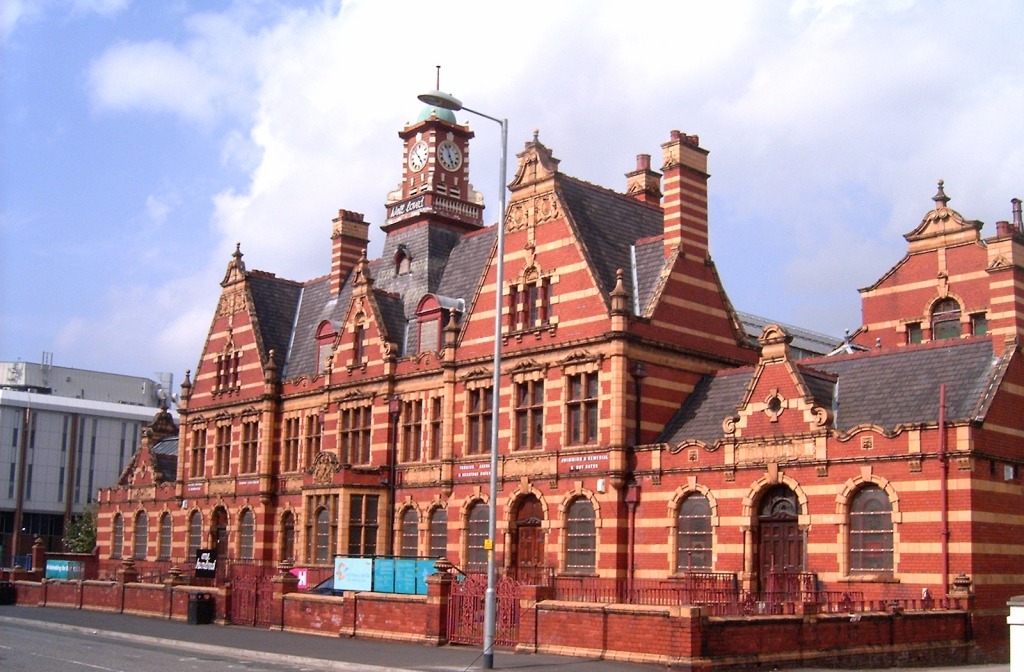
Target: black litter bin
7,592
200,608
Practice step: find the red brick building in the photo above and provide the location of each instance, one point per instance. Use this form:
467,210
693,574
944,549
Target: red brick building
644,433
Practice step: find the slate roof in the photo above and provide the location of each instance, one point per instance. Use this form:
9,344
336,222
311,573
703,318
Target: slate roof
316,305
276,301
165,458
805,342
889,388
650,260
885,389
609,224
615,232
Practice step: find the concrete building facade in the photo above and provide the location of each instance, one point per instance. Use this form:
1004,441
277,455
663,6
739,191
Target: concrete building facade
64,434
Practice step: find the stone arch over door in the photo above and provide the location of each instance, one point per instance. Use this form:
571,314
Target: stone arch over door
779,540
219,532
527,535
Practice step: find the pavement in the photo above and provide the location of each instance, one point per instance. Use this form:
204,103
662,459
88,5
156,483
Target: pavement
321,652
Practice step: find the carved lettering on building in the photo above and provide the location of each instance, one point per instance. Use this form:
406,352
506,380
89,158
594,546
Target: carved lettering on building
774,451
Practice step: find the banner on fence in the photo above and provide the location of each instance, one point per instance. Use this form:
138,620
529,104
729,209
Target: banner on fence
353,573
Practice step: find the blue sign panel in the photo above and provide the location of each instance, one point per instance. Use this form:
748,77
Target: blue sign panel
353,573
405,576
65,569
424,568
384,575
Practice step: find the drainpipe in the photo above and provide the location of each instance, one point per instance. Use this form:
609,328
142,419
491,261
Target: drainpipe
944,486
632,499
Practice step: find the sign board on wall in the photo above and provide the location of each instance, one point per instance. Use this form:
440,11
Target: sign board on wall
65,569
206,563
353,573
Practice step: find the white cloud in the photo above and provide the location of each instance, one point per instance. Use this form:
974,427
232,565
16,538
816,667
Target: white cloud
102,7
206,79
828,122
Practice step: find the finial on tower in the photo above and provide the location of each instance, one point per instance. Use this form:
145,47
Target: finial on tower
940,196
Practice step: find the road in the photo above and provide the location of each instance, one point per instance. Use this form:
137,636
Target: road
27,648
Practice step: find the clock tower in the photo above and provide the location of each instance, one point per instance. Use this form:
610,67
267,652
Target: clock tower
435,176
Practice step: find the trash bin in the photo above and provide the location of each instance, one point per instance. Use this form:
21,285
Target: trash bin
7,592
200,608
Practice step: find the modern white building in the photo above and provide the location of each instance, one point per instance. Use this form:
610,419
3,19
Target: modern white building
64,433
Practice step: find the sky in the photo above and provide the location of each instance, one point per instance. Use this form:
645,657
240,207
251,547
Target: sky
142,141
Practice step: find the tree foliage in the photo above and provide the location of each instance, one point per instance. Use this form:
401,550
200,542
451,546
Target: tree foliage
80,537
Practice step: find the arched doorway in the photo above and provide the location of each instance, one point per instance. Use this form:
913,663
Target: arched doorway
527,558
780,544
219,532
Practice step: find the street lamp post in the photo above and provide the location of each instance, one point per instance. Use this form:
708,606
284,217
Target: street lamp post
449,102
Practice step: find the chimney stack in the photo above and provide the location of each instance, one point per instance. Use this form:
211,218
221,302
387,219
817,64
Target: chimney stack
643,184
686,195
349,237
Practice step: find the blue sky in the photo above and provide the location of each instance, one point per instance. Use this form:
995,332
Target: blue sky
142,140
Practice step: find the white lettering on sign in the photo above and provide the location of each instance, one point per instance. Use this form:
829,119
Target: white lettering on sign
405,207
473,470
584,462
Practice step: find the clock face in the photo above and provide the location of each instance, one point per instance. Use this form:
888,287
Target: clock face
418,156
449,155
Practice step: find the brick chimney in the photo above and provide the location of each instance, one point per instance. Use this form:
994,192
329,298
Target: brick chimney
349,237
643,184
686,195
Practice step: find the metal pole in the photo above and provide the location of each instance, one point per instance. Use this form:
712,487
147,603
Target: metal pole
449,102
490,602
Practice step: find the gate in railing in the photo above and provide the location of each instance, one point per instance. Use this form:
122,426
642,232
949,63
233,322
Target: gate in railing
252,594
466,611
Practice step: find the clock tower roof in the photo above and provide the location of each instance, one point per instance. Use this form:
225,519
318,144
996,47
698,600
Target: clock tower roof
439,112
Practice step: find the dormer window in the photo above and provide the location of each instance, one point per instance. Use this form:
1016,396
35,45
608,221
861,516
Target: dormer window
914,333
325,335
979,324
946,319
403,262
432,315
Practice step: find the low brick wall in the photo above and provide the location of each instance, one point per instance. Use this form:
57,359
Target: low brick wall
140,599
102,596
676,635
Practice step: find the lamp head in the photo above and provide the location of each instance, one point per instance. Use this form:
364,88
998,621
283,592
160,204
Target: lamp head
440,99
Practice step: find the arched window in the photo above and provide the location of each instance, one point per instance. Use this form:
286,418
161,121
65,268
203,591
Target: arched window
403,262
476,533
693,534
246,535
117,538
288,536
164,551
322,537
195,533
580,538
439,533
410,534
325,335
945,319
871,538
140,544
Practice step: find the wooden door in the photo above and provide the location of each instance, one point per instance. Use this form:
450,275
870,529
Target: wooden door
528,540
780,547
